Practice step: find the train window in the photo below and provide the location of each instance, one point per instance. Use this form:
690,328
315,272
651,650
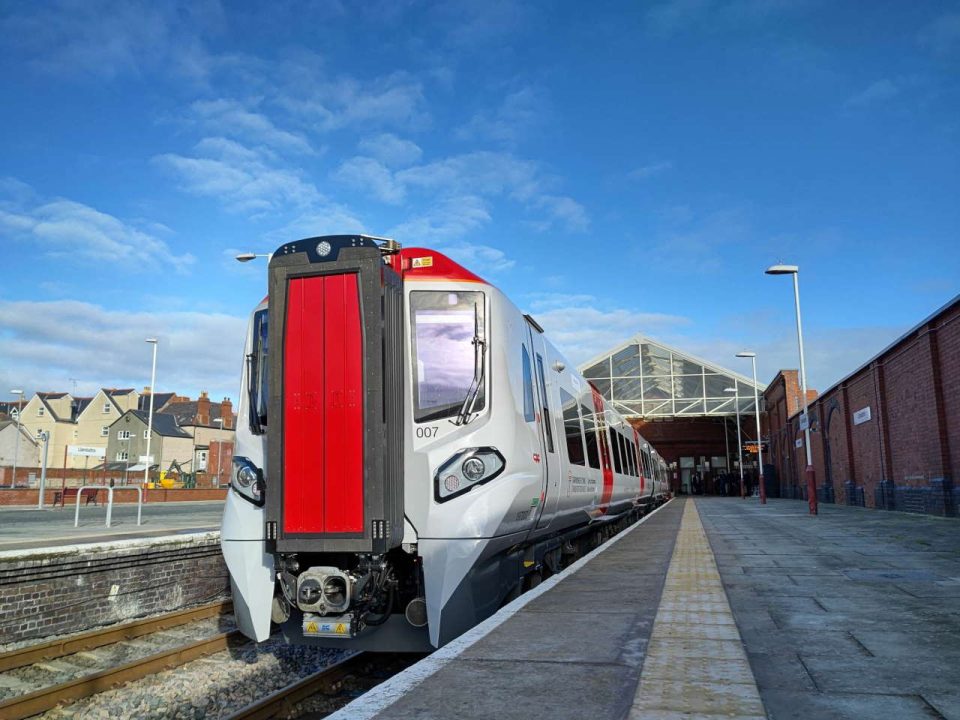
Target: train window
632,449
624,445
547,420
448,352
257,366
572,429
590,435
617,462
529,414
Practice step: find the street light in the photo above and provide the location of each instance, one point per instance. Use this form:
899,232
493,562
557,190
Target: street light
153,379
809,472
736,399
248,256
16,451
756,405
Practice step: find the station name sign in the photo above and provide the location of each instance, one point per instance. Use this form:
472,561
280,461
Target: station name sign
861,416
86,451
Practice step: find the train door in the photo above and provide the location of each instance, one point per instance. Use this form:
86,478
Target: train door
548,457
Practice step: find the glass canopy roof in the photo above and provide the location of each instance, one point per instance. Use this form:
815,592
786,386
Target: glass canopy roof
646,378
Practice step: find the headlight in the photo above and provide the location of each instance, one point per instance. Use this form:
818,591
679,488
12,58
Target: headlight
473,469
247,480
464,471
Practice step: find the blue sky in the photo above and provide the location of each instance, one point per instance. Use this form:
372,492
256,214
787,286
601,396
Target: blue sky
615,167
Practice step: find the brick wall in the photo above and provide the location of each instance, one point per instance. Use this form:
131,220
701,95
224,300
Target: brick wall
65,590
907,455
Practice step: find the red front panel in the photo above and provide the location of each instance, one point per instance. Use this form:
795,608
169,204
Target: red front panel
323,406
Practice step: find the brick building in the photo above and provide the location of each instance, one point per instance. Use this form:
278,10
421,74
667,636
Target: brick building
885,436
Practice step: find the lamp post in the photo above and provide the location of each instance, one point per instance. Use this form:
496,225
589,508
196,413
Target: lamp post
736,400
153,379
756,405
16,447
810,473
248,256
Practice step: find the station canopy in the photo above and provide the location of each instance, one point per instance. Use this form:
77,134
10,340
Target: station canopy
645,378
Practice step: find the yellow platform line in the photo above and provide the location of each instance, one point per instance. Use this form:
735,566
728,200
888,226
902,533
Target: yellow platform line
695,664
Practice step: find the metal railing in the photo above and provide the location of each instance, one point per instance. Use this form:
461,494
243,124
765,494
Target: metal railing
76,515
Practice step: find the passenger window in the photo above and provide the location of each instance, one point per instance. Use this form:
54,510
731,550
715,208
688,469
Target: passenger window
617,462
547,420
590,435
572,429
529,414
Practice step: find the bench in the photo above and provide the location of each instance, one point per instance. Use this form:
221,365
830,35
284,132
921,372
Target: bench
62,496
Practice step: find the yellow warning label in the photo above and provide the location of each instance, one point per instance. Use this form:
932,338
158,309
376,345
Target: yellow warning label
341,629
311,627
422,262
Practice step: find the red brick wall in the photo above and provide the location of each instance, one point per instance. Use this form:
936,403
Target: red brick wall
913,435
948,340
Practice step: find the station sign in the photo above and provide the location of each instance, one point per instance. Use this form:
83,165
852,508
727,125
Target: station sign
86,451
861,416
145,458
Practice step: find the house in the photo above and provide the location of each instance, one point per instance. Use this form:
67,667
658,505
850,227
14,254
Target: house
51,412
28,453
127,441
212,428
93,418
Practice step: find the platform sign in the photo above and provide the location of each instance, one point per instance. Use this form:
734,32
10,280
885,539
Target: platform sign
86,451
145,458
861,416
804,421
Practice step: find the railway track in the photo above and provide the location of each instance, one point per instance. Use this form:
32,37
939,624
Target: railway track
35,675
339,682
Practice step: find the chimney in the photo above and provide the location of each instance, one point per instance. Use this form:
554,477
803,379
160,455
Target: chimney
226,412
203,409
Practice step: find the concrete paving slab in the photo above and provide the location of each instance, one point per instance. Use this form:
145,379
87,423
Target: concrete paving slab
866,615
508,690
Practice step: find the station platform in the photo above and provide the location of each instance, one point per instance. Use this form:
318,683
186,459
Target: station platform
24,528
716,607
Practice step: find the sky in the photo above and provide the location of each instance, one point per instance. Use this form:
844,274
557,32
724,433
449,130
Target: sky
615,168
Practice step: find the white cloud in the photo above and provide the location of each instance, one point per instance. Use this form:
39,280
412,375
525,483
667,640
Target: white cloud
444,221
241,178
231,117
648,171
390,150
478,258
943,34
370,176
106,39
879,91
50,342
519,111
68,229
583,326
324,104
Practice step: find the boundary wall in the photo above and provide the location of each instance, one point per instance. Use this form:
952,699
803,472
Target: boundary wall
886,436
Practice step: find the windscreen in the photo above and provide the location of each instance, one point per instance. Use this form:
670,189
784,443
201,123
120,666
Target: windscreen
447,361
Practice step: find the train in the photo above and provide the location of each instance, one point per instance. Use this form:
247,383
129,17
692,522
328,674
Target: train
411,452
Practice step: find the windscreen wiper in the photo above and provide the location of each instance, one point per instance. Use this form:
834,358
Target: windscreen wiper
479,363
256,427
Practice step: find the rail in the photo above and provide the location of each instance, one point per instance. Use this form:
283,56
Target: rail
282,702
109,489
105,636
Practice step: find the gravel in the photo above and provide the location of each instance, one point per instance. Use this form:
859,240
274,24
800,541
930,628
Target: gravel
212,687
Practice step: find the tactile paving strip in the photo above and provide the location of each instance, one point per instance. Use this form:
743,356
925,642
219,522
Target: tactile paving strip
695,665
